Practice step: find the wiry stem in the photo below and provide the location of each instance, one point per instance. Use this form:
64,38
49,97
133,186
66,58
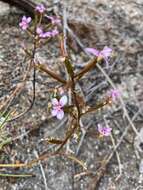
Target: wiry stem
54,75
87,68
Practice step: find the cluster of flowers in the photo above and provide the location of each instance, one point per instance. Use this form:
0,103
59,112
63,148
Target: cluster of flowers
48,34
25,22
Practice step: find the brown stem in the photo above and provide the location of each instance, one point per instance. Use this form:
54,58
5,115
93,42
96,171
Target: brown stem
31,64
43,157
54,75
66,139
88,67
98,106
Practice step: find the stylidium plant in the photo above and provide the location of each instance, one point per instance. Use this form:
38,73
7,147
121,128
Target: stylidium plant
59,103
73,103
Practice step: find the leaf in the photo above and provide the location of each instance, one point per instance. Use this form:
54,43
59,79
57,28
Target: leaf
54,141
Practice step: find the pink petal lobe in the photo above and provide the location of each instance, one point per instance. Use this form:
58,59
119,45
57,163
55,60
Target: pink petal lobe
107,131
106,52
50,17
54,112
39,30
24,27
115,94
92,51
29,19
24,18
60,114
20,24
63,100
47,34
54,102
99,127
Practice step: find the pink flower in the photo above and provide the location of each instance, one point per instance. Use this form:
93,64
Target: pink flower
42,34
40,8
48,34
58,107
104,131
54,20
114,93
24,24
105,53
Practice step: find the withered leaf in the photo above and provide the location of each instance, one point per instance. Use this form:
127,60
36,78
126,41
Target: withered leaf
54,141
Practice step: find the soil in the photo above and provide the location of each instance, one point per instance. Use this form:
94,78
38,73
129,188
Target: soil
97,23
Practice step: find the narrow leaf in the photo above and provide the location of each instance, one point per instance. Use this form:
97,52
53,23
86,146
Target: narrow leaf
55,141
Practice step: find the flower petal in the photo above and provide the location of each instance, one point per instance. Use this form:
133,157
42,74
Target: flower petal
115,94
60,114
49,17
20,24
63,100
54,112
99,127
54,20
24,27
107,131
106,52
92,51
28,19
24,18
55,102
39,30
47,34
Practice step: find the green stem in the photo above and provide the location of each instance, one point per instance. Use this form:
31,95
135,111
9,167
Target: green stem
16,175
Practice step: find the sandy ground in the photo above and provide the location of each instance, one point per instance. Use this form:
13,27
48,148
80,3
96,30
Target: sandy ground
118,24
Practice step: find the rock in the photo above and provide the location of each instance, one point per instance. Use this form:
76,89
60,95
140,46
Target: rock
4,9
